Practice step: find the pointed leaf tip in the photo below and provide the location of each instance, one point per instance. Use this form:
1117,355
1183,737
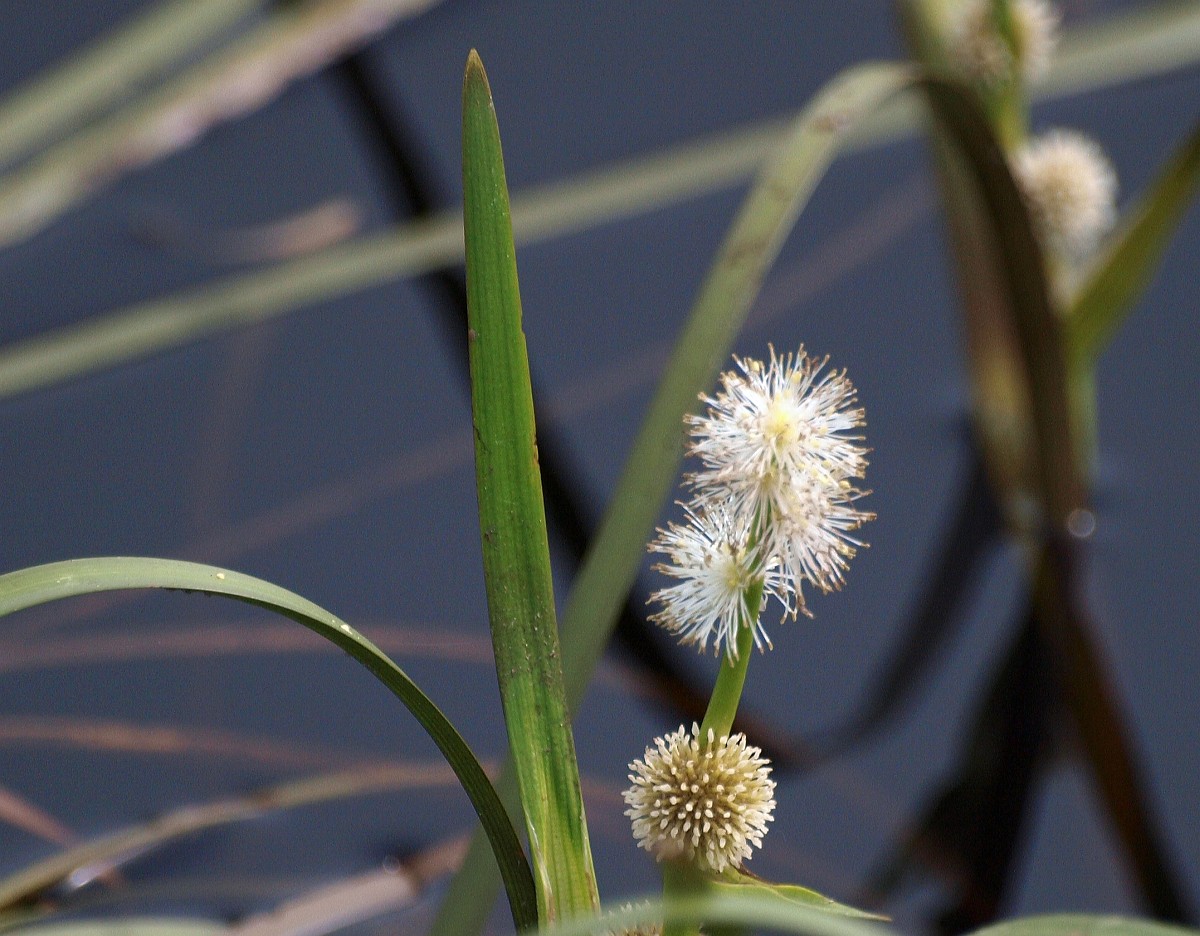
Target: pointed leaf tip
475,79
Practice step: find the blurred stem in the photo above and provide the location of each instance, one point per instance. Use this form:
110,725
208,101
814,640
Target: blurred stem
1006,103
235,81
1103,732
92,79
1141,44
996,248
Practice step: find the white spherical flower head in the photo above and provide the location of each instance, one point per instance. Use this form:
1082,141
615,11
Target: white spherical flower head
983,53
771,423
701,801
1070,188
714,564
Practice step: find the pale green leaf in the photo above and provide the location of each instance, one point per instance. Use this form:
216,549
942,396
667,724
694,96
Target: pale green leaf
741,882
1122,48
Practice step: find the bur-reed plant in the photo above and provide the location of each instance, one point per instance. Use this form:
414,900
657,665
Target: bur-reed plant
774,497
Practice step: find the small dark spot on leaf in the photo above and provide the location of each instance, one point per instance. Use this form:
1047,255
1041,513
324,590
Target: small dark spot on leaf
830,123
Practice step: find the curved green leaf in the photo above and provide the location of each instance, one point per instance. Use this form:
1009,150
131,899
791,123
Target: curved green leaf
1115,281
512,523
41,584
763,223
736,882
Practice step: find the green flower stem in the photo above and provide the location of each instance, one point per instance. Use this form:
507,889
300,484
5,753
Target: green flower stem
680,881
727,692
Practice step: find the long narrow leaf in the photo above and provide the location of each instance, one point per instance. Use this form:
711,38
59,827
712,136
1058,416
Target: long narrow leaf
1122,272
757,234
512,521
41,584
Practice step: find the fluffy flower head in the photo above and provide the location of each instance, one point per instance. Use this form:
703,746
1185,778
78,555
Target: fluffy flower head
983,53
1071,189
772,422
714,564
704,801
778,445
814,535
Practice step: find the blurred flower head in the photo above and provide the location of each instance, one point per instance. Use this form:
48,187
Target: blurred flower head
983,53
701,801
1070,188
641,929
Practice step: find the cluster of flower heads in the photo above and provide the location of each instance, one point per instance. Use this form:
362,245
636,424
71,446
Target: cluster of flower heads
772,509
773,504
1067,181
705,801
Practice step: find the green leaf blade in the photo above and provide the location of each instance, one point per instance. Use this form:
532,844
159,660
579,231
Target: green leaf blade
741,882
1129,260
516,555
40,584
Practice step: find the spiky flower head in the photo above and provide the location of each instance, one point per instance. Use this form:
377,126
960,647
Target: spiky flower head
983,53
715,564
778,443
701,801
814,535
771,422
1070,188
